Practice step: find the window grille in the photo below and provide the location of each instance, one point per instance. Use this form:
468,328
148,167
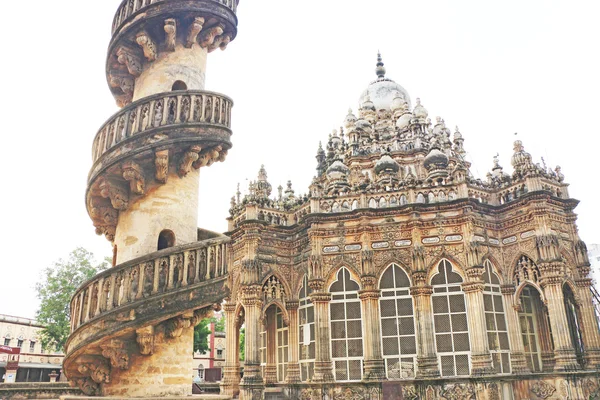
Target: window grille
346,328
306,315
7,342
282,346
450,322
529,329
31,347
398,338
495,321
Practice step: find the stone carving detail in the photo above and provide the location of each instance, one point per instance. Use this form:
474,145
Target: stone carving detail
195,29
175,326
117,354
251,272
458,392
430,393
189,157
118,195
171,31
133,173
493,392
87,386
316,267
145,339
310,394
207,38
542,389
148,45
220,42
123,81
526,270
409,393
161,161
350,393
97,369
130,59
273,290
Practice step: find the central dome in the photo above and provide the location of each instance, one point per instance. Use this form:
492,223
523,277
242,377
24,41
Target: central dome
383,90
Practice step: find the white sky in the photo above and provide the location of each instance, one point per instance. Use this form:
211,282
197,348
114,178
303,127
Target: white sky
492,68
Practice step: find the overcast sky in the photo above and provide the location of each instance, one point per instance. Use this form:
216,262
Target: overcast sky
492,68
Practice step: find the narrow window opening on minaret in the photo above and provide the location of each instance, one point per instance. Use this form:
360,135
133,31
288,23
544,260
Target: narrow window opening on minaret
179,85
166,239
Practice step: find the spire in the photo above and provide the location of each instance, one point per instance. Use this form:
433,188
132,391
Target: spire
380,70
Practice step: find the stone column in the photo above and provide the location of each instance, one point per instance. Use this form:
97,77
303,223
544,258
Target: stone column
589,324
230,385
323,365
252,386
293,366
369,297
481,360
271,342
517,351
427,363
563,346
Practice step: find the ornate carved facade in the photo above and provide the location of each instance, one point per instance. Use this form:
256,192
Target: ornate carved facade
399,266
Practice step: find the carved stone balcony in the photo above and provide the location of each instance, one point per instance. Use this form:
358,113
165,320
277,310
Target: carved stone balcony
171,284
143,30
137,146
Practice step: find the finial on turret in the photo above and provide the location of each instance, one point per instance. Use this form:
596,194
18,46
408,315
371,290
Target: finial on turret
380,70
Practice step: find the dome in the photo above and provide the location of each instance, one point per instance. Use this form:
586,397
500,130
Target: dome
404,121
386,163
420,111
367,104
435,159
350,119
337,170
398,103
363,125
383,91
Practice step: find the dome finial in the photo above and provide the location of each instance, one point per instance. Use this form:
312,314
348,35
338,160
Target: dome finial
380,70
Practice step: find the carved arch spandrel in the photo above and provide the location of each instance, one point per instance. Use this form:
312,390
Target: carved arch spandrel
403,267
433,268
333,265
332,277
496,269
514,261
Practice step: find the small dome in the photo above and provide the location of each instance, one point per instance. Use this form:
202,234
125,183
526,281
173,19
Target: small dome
404,121
435,159
363,124
386,163
398,103
350,119
420,111
383,91
367,104
337,170
520,157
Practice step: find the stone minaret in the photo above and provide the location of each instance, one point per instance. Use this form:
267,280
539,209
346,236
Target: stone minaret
143,190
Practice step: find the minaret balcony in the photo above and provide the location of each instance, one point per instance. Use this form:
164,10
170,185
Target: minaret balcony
142,293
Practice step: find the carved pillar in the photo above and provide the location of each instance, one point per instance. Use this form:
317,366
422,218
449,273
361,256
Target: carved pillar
252,385
481,360
230,384
320,300
270,322
427,363
369,297
517,351
293,367
589,324
564,353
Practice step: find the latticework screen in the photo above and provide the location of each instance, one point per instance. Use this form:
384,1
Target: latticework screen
346,328
398,339
282,346
529,329
495,321
306,314
450,322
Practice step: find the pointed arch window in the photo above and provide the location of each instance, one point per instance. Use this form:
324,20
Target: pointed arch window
398,339
573,317
450,321
346,328
282,345
306,334
532,318
495,321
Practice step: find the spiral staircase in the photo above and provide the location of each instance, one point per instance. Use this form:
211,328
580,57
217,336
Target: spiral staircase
132,325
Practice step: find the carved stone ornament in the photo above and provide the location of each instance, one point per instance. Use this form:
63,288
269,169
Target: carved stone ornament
195,29
133,173
117,194
542,389
146,43
121,80
87,386
207,38
350,393
171,31
310,394
458,392
188,159
409,393
220,42
96,368
175,326
117,354
145,339
161,161
128,57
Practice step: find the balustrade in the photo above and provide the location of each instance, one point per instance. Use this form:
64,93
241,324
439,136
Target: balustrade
162,110
155,274
130,7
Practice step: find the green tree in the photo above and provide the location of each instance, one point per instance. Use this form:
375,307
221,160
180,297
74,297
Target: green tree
201,332
242,344
219,323
55,289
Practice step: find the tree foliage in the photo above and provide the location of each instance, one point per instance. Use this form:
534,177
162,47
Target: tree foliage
55,289
201,332
242,344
